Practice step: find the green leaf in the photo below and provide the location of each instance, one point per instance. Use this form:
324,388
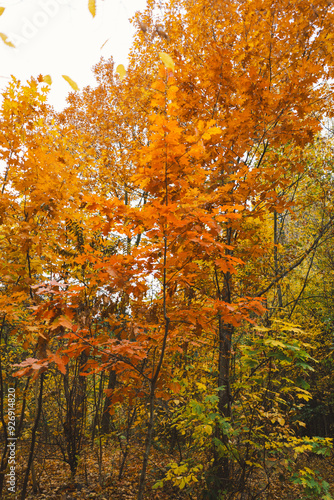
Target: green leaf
158,484
197,407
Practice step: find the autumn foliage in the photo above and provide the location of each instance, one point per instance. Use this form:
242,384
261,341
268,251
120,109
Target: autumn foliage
159,239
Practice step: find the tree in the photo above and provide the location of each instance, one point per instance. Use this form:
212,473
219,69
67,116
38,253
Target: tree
174,171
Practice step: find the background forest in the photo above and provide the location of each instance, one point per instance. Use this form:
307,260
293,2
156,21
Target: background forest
167,267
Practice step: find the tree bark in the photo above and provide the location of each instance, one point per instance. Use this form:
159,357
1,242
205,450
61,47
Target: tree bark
33,438
4,458
106,417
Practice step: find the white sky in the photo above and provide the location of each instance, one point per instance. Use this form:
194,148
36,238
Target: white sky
60,37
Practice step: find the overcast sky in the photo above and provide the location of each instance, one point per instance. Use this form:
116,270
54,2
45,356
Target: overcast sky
60,37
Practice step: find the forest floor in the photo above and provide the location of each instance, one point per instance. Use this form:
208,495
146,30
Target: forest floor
52,478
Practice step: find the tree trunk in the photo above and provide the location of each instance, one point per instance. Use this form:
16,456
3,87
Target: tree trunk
222,463
148,443
75,414
33,438
276,260
4,458
106,417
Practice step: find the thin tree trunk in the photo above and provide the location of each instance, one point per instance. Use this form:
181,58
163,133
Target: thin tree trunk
33,438
106,417
276,263
148,443
4,458
221,465
150,423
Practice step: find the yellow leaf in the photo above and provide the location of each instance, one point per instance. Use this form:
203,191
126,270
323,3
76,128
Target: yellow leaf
303,396
4,39
121,71
2,10
47,79
261,328
71,82
104,43
207,429
214,130
167,60
92,7
274,343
